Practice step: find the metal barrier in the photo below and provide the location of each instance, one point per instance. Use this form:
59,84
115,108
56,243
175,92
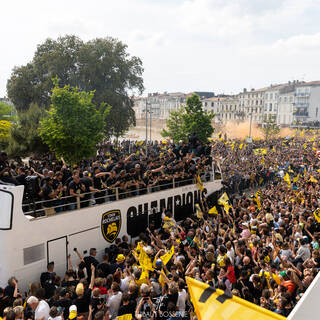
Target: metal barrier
62,204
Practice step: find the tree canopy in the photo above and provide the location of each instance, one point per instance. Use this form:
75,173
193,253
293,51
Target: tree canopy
175,124
102,64
189,119
25,135
74,125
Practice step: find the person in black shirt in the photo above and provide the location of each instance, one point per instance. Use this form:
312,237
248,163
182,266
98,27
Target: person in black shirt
64,302
87,182
91,260
48,193
76,188
47,280
127,306
5,174
98,184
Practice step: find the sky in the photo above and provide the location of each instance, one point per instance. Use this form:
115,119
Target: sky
185,45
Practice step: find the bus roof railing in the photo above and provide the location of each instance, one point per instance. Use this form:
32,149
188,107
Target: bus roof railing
58,205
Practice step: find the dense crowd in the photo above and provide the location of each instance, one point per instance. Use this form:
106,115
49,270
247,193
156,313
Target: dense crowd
118,171
264,248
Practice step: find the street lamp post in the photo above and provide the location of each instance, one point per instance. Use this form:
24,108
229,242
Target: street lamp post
249,139
146,110
250,125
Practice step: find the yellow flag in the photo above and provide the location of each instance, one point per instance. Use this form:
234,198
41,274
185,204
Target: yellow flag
213,210
144,260
316,214
168,223
262,161
274,150
223,199
241,146
260,151
199,212
312,179
127,316
161,280
227,207
304,146
199,183
258,200
167,256
216,304
295,179
286,178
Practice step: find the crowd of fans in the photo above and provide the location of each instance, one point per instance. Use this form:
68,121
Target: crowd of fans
117,172
265,249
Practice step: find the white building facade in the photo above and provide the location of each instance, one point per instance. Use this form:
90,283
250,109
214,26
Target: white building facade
306,106
160,105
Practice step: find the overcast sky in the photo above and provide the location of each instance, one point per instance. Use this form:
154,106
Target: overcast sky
209,45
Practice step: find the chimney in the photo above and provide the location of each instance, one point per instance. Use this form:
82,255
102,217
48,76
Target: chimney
244,90
289,82
252,89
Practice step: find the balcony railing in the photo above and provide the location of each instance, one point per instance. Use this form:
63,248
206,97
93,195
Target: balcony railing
58,205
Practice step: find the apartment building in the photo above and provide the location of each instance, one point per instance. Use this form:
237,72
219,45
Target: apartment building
160,105
287,103
306,107
251,104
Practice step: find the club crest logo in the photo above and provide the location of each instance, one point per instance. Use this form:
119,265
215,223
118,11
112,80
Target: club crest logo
111,225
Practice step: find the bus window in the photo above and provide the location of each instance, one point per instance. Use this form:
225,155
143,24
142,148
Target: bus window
6,207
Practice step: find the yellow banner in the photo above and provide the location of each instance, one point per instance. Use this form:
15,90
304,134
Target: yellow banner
213,210
167,256
199,183
316,214
260,152
215,304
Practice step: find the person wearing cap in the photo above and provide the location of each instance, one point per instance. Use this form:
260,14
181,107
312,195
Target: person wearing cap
72,312
120,261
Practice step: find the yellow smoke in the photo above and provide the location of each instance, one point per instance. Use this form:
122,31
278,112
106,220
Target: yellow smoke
240,130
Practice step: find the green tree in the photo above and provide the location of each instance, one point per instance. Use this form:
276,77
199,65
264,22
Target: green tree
270,129
196,120
102,64
25,135
7,112
176,129
189,119
74,125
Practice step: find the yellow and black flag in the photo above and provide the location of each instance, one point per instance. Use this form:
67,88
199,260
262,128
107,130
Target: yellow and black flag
199,183
215,304
316,214
213,210
224,201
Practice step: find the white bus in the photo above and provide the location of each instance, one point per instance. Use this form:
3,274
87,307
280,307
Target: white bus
28,243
